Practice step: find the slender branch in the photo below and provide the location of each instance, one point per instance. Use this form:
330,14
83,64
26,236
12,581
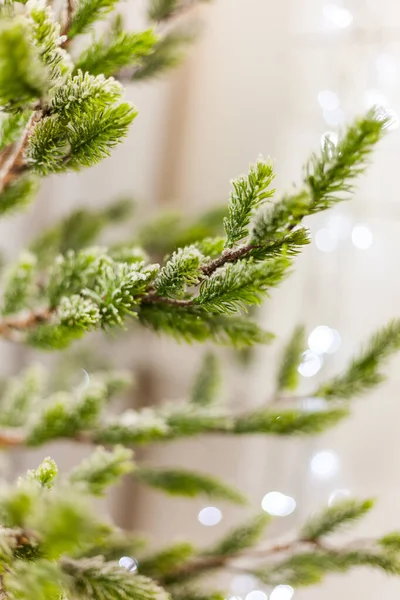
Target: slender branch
24,321
67,23
228,255
203,564
15,164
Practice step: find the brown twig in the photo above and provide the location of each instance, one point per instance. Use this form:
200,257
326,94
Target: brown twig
67,23
228,255
15,163
24,321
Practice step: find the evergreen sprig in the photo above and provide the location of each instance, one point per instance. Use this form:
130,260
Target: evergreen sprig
364,371
248,194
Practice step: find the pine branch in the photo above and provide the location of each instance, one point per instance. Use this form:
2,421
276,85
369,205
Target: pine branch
363,372
288,374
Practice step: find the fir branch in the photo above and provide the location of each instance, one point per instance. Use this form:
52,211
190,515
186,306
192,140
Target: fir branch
167,53
363,372
102,469
180,271
335,517
329,178
241,538
85,13
179,482
207,382
248,194
288,375
240,284
98,580
109,55
23,78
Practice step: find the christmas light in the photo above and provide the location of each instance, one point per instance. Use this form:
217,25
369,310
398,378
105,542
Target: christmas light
337,16
325,241
128,563
278,505
325,464
243,584
282,592
256,595
328,100
332,136
333,118
310,364
209,516
337,496
362,236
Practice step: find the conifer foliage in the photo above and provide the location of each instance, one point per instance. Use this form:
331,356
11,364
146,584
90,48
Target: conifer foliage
63,108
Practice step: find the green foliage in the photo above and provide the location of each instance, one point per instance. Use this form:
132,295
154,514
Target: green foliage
20,395
39,580
116,50
11,127
160,10
83,93
334,517
46,38
363,372
248,194
167,53
97,580
243,537
329,178
62,418
163,562
17,195
289,422
77,230
180,271
179,482
193,325
19,284
87,120
238,285
22,76
207,382
288,375
45,473
86,13
103,469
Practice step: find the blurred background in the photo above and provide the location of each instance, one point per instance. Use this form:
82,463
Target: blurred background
268,78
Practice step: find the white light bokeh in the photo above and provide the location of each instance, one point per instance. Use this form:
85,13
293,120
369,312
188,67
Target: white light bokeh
362,236
282,592
332,136
321,339
333,118
339,226
325,464
328,100
128,563
336,16
310,364
256,595
278,504
337,496
243,584
394,119
209,516
313,404
386,65
374,98
337,341
325,241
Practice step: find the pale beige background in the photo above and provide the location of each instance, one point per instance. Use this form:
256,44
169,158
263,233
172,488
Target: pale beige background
249,87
